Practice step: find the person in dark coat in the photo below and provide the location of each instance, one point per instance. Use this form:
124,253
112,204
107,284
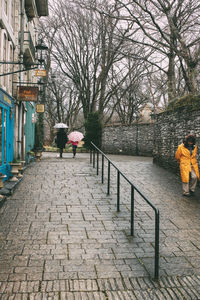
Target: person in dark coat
61,140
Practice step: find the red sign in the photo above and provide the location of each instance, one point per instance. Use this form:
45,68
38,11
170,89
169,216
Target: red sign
27,93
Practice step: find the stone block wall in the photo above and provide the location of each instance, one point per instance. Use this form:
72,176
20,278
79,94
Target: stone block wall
170,130
159,139
136,139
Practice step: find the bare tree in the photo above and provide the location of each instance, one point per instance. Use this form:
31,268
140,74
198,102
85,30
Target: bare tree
62,103
131,94
90,42
88,49
172,29
62,100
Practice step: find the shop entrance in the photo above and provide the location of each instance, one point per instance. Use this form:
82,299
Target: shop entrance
6,132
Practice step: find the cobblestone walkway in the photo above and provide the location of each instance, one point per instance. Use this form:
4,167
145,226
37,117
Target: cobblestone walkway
61,237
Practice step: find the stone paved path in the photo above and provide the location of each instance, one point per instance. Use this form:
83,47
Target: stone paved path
61,237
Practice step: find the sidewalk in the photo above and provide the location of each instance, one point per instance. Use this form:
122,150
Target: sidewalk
61,237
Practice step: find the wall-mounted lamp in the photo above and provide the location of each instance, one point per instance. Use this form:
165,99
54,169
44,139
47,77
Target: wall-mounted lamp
41,49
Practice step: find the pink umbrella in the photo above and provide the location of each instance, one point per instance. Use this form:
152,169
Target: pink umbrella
75,136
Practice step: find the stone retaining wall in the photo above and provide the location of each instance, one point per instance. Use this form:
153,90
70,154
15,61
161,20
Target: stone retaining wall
130,140
170,130
159,139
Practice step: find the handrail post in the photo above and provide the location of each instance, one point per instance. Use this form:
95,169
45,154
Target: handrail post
133,188
90,156
108,186
157,224
118,191
97,162
132,210
102,169
94,158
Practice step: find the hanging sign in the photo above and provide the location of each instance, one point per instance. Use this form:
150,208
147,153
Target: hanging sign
27,93
41,73
40,108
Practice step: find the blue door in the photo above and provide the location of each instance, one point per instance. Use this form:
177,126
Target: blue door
6,131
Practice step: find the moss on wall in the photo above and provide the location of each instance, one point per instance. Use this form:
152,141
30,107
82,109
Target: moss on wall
191,101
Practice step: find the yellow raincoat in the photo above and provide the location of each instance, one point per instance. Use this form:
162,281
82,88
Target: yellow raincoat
186,160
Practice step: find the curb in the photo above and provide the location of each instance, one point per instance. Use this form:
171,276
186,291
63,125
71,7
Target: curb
2,200
8,189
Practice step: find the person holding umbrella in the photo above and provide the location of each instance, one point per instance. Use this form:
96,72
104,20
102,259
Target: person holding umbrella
74,146
74,138
61,137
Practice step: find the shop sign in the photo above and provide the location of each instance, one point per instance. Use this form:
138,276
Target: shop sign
6,99
41,73
40,108
27,93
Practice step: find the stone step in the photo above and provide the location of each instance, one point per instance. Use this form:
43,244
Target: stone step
182,287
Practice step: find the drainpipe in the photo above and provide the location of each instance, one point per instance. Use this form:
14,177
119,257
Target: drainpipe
21,54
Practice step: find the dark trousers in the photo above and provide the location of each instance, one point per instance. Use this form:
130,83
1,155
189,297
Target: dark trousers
61,152
74,149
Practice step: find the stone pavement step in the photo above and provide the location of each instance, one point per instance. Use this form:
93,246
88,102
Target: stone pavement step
61,237
186,287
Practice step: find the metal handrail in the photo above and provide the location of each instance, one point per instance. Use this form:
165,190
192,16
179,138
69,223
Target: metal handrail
133,189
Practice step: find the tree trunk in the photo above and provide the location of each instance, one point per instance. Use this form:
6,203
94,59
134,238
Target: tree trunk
171,78
192,86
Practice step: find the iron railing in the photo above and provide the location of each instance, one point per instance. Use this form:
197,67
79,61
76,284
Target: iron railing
95,161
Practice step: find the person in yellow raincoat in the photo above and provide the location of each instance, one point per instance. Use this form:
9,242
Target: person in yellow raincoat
186,155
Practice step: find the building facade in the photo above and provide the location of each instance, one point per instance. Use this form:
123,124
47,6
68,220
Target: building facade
19,21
